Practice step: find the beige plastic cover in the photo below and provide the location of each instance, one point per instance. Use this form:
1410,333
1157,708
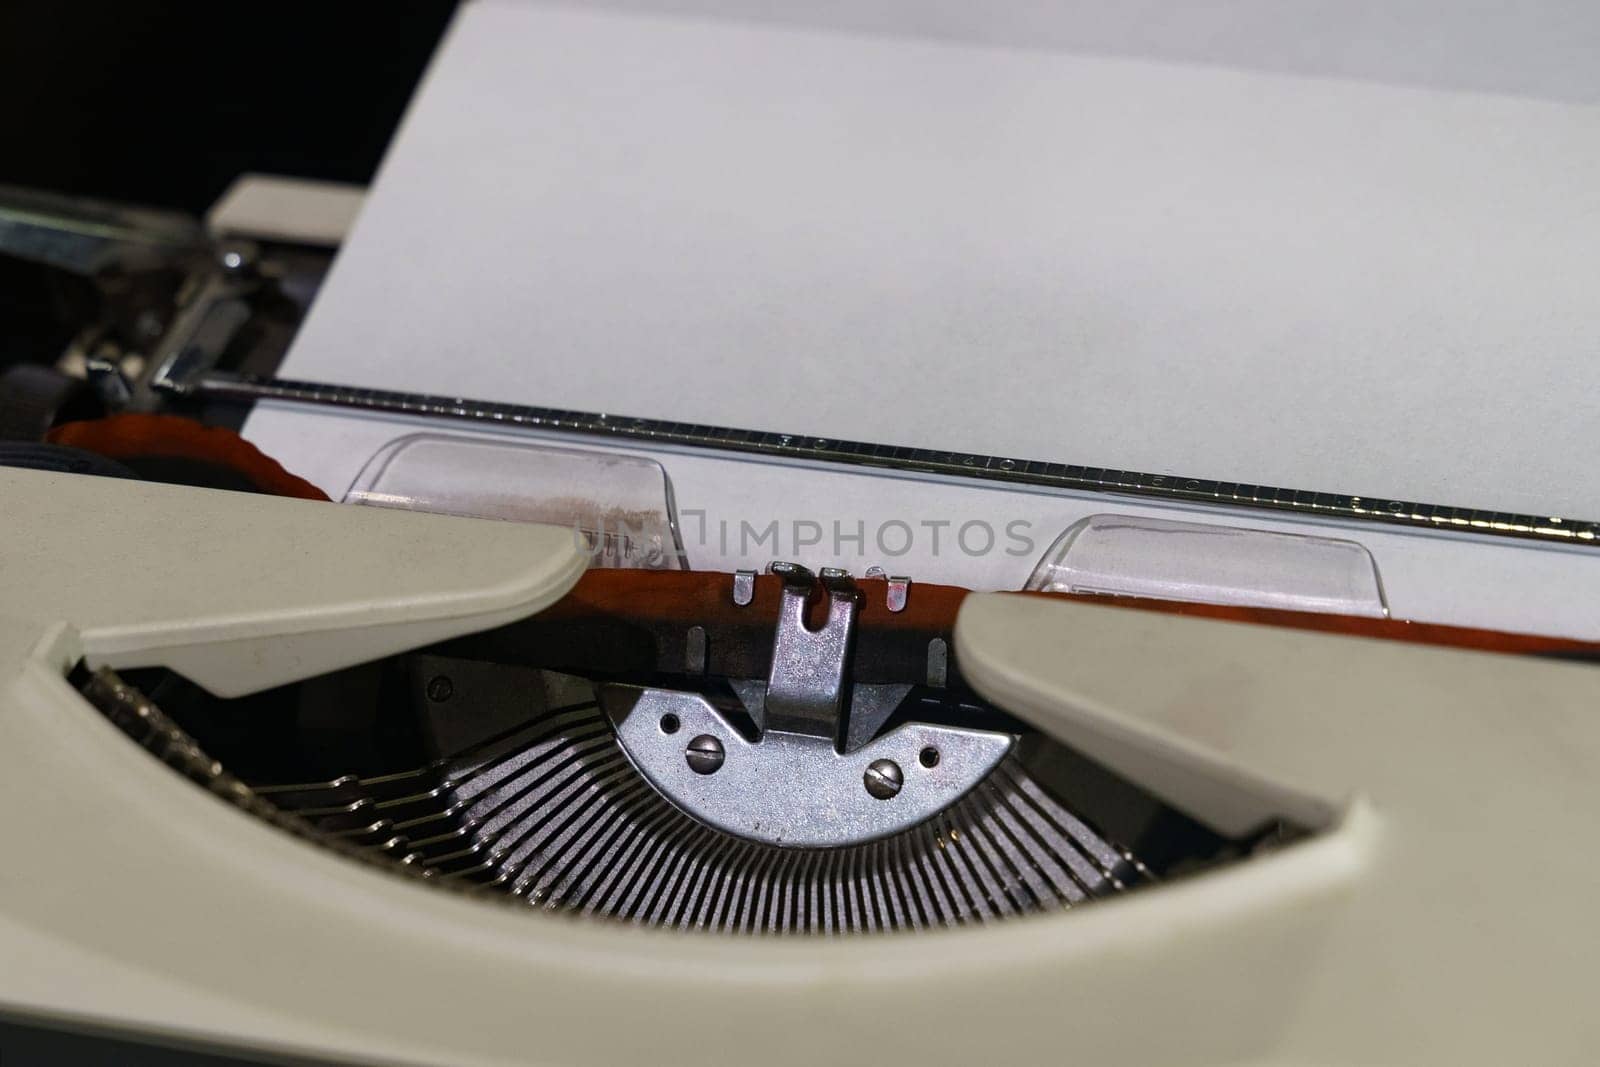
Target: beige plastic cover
1442,916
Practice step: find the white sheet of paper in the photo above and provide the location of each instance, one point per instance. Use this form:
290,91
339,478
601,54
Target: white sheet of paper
1260,277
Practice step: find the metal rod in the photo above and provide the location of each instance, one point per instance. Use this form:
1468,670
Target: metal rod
1167,487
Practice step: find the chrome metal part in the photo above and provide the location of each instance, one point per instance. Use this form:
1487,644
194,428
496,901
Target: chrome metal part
138,717
238,256
899,587
793,790
202,330
695,650
548,812
871,704
705,754
1068,476
744,587
87,237
938,662
806,686
884,779
899,590
157,297
808,690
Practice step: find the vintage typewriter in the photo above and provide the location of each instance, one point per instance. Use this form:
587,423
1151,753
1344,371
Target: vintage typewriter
350,723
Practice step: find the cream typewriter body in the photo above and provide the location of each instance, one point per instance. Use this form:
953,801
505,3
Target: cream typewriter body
1105,830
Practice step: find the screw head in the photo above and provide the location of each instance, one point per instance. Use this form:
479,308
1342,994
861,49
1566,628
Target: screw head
705,754
883,778
440,688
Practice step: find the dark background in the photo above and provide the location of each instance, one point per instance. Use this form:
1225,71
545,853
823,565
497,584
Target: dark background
164,102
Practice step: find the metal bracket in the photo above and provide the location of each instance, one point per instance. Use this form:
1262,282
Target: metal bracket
897,587
807,687
794,789
804,783
811,667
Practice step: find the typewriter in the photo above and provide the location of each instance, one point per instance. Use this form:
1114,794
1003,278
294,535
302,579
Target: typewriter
349,720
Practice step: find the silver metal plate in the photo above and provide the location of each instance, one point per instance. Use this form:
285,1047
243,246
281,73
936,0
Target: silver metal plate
794,790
